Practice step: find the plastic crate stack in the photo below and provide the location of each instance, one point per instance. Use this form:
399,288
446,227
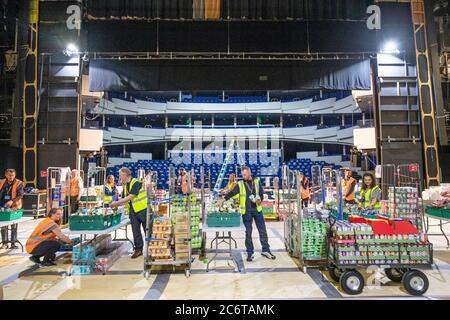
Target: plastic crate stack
84,255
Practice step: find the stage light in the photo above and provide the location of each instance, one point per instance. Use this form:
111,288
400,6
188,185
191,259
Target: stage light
390,47
71,49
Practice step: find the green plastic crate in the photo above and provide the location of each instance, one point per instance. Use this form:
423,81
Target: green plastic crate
219,220
90,198
87,222
12,215
116,218
436,212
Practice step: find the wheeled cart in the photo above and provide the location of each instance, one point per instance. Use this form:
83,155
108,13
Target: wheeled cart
401,262
351,280
158,247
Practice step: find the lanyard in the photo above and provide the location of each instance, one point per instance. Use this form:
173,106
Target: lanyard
8,188
252,190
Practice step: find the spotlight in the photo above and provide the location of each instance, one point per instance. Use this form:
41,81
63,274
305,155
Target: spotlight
71,49
390,47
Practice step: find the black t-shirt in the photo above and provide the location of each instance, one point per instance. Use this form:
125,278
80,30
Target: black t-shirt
134,191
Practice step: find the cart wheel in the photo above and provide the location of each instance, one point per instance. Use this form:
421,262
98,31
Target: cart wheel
395,274
147,275
334,273
304,270
187,273
415,282
352,282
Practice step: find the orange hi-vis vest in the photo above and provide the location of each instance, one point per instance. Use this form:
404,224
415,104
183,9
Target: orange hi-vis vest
348,183
16,183
305,191
41,234
74,187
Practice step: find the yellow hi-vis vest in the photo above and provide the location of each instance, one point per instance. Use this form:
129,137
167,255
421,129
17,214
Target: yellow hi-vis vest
243,196
107,198
139,202
231,187
366,195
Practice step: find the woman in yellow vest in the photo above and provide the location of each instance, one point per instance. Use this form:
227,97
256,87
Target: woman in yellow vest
43,241
370,193
110,191
230,186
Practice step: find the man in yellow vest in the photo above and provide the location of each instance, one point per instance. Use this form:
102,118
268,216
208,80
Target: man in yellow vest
134,197
251,193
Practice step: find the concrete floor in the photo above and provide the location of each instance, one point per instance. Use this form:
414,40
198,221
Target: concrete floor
262,279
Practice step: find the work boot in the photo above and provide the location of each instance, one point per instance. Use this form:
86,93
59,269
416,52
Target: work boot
47,264
136,254
13,246
250,257
268,255
35,259
4,246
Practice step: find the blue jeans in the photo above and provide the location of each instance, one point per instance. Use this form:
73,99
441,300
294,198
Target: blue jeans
260,225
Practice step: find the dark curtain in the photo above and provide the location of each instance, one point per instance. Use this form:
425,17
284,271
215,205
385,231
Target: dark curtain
132,75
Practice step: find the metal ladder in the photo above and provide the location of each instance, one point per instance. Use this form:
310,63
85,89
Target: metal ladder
233,148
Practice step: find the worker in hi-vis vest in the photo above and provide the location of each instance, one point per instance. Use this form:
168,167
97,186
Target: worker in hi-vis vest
11,194
251,193
110,191
46,239
348,186
134,197
370,193
230,186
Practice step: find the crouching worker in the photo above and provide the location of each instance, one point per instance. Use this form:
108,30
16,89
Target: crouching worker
45,239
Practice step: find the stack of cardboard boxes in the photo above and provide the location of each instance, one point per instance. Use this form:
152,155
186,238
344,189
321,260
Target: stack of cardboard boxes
160,249
182,236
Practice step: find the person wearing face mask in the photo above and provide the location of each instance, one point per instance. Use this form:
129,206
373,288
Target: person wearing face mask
11,194
251,193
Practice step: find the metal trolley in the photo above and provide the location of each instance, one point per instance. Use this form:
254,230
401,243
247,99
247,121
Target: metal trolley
152,210
402,266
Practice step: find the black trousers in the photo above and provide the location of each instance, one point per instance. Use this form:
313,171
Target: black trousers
305,203
4,232
46,249
138,221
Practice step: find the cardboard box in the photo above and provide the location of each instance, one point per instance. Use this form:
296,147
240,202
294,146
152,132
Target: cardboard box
181,236
181,248
182,256
181,229
163,209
